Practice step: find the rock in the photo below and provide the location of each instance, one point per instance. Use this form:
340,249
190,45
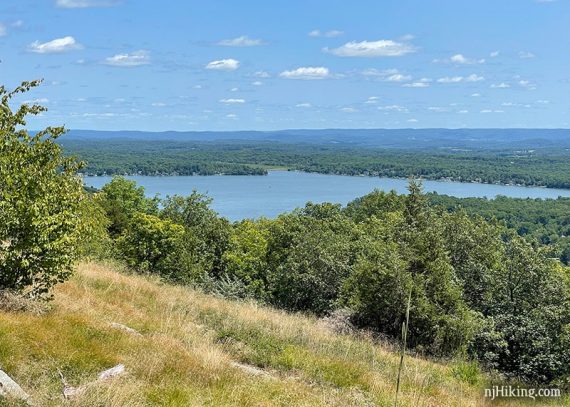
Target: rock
125,328
112,372
252,370
70,391
9,388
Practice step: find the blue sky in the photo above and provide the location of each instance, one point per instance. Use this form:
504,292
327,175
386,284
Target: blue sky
229,65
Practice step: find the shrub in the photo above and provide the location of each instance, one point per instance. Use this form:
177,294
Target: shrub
151,244
40,195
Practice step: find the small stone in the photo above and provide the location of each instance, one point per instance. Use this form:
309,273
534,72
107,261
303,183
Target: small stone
125,328
252,370
112,372
8,387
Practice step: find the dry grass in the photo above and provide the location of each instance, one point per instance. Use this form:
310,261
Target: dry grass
189,347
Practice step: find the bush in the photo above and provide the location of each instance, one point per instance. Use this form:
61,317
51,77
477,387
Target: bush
40,195
151,244
310,254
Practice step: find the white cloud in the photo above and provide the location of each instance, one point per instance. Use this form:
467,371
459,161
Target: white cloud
257,83
243,41
501,85
527,84
349,110
36,101
232,101
413,120
232,116
452,79
158,104
223,65
380,48
86,3
372,100
463,111
526,55
474,78
421,83
305,104
306,73
462,60
379,73
494,54
398,77
326,34
55,46
475,95
456,79
262,74
459,59
389,75
3,30
543,102
137,58
438,109
393,108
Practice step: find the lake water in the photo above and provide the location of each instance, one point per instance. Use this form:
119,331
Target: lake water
238,197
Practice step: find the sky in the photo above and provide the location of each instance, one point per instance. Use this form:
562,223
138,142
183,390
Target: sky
281,64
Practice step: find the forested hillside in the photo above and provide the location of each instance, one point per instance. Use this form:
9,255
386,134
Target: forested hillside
550,168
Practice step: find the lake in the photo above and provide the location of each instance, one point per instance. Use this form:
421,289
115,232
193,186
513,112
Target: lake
237,197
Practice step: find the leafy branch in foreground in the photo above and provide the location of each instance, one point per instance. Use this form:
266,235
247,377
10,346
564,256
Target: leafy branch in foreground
40,194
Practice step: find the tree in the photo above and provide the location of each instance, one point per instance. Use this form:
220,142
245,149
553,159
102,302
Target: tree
246,256
123,198
151,244
206,234
40,194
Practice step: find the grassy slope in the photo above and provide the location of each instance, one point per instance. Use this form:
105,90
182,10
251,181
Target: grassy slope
189,342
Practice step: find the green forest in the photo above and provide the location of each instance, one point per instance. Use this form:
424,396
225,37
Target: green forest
548,168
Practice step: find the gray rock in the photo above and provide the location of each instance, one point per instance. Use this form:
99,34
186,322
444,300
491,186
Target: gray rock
9,388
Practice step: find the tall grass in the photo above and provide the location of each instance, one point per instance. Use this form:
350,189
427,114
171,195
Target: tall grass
197,349
405,326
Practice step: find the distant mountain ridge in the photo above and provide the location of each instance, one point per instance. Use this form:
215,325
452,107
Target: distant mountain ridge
379,138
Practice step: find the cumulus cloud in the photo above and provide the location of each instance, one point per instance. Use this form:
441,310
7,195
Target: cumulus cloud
450,79
326,34
243,41
137,58
389,75
223,65
494,54
456,79
398,77
380,48
86,3
393,108
262,74
422,83
501,85
304,104
306,73
526,55
232,101
56,46
462,60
